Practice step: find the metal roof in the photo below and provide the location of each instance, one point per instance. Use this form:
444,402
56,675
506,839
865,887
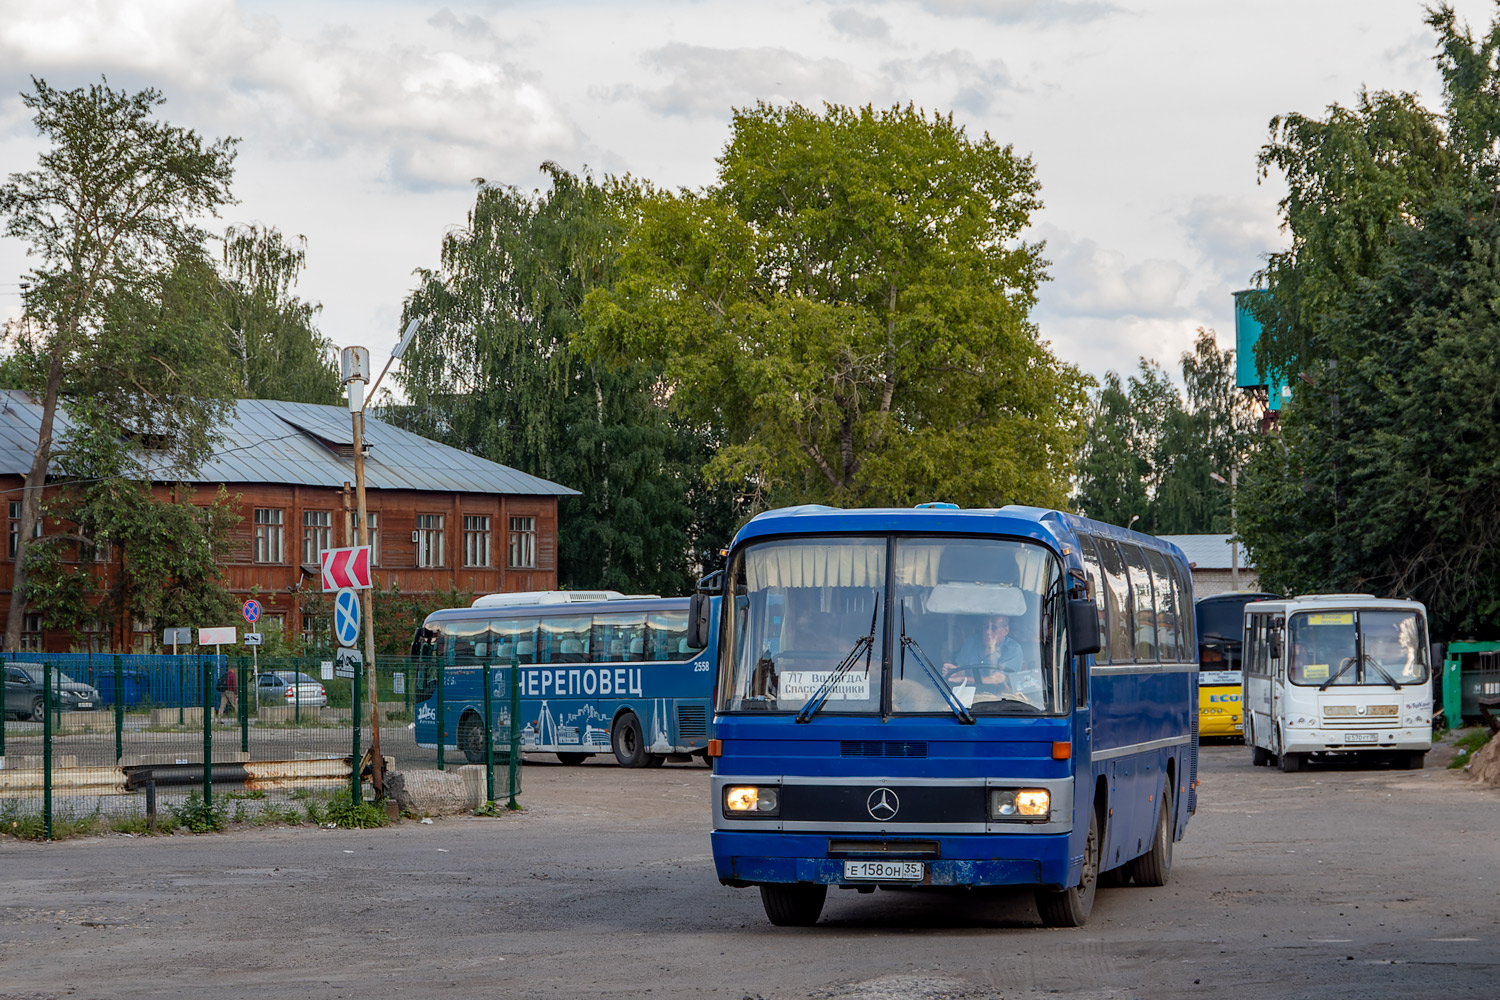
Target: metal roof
1208,551
270,441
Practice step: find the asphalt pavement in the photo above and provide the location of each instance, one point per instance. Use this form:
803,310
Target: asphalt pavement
1333,883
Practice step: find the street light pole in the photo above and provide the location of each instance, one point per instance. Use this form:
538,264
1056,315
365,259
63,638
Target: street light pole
1234,544
356,375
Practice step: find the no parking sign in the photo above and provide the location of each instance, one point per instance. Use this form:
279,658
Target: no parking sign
346,617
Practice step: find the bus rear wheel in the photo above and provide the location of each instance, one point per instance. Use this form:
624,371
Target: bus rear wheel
629,743
1154,867
1070,907
573,758
797,904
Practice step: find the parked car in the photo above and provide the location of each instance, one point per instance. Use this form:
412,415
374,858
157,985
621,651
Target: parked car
24,692
288,687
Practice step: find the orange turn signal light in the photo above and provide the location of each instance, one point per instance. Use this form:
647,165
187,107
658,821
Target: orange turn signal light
1062,751
716,748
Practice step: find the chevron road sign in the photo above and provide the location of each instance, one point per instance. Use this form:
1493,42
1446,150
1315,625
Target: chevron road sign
346,568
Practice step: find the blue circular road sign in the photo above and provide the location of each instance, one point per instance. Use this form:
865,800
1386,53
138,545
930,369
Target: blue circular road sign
346,617
252,611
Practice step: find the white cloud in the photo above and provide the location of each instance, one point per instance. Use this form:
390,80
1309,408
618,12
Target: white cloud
705,82
1024,11
433,109
1090,280
1233,233
975,85
851,22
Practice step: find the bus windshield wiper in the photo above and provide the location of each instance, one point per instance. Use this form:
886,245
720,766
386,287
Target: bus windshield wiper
1381,670
1343,669
864,644
907,642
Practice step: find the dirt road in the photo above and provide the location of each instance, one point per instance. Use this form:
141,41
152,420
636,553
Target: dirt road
1329,884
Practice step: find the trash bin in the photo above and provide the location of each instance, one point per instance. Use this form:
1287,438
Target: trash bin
133,686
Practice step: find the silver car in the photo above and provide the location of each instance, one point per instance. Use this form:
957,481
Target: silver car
289,687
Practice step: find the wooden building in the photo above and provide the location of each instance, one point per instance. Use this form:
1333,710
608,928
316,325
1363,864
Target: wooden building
440,519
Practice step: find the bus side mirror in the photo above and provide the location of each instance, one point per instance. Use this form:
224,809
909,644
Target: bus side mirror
698,610
1083,627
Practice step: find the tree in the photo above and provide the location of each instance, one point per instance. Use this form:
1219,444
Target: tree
1386,478
1149,454
108,218
269,332
494,372
849,305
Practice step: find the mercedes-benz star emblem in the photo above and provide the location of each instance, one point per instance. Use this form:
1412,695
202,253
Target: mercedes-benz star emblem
882,804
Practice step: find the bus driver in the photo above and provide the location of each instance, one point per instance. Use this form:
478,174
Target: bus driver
994,664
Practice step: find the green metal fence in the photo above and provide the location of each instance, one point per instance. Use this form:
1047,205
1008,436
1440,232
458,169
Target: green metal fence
130,743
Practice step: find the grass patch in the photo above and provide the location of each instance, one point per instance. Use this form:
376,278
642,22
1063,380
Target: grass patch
345,812
31,826
198,816
1465,747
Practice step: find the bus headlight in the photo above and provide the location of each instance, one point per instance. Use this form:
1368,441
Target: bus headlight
751,801
1020,804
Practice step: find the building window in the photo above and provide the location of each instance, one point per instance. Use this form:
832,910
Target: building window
523,542
15,527
317,534
268,527
476,541
429,535
372,520
31,634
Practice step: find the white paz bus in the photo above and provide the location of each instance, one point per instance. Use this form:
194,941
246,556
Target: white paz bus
1335,674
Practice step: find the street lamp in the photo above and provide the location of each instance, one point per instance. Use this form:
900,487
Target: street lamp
1234,544
1133,518
356,372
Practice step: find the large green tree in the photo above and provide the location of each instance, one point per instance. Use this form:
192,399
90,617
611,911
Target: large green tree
108,216
1151,452
849,306
1387,475
269,331
494,372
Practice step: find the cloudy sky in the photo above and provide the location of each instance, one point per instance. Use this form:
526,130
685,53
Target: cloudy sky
363,124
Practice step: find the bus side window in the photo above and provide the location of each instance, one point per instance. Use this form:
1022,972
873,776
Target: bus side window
1095,574
1250,654
666,636
1182,600
619,637
1144,610
564,639
1117,597
514,637
1166,609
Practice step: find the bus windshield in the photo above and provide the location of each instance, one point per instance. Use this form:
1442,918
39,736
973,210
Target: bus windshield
973,629
1343,648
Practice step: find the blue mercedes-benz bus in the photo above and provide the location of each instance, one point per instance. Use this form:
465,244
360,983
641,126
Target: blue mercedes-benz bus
947,697
598,672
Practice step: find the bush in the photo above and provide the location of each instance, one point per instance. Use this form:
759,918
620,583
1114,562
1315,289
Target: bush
198,816
345,812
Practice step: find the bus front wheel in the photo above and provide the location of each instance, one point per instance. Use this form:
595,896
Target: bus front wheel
629,743
471,738
1070,907
796,904
1293,762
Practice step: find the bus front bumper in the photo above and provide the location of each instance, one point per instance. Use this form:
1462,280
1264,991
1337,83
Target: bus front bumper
749,858
1341,740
